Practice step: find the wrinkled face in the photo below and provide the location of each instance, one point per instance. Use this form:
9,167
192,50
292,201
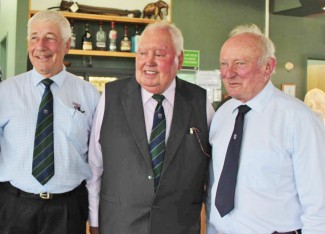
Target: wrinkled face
156,61
46,48
244,76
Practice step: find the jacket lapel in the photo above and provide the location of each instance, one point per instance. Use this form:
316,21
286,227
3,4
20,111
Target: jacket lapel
133,110
134,114
181,116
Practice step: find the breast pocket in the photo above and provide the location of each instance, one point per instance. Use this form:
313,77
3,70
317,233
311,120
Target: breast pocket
75,126
262,169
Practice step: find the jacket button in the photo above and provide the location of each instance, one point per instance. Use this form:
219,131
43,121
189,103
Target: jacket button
150,177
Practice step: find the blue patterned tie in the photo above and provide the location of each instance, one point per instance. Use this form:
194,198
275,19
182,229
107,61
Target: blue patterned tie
43,157
228,178
157,139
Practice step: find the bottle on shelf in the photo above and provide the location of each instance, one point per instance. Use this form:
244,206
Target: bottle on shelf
86,39
87,61
125,43
135,40
100,38
73,36
112,35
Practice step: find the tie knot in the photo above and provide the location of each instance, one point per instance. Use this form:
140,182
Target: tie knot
159,98
47,82
243,109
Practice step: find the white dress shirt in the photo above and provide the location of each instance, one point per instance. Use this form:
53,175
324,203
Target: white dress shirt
95,153
20,97
281,177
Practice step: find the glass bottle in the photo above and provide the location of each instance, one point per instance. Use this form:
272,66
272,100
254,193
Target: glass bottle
135,40
100,38
112,35
86,39
73,36
125,43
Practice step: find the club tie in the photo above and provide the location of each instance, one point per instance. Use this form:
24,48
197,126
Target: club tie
43,157
228,178
157,139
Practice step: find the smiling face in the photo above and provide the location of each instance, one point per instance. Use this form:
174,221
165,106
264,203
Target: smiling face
243,74
46,48
156,61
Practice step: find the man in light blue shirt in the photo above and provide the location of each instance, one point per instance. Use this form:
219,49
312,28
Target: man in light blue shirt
59,206
281,177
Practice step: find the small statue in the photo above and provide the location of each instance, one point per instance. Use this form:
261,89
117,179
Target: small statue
154,9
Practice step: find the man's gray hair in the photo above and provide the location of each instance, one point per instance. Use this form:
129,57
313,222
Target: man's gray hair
266,43
51,16
175,32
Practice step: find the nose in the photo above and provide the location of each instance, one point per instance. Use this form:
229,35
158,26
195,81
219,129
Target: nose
40,44
150,59
228,72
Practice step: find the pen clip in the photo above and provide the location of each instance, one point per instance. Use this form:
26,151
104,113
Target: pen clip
196,131
77,107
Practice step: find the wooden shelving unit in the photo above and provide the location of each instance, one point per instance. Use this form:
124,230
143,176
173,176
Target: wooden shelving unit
95,17
101,53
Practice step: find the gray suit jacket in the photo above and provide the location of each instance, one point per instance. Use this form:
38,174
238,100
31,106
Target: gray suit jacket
128,203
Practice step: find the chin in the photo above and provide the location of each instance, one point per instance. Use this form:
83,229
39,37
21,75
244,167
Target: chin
44,71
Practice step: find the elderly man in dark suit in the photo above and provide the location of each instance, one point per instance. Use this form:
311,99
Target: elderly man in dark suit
143,184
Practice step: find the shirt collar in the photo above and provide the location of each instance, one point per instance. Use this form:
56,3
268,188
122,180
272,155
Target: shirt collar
259,102
169,93
58,78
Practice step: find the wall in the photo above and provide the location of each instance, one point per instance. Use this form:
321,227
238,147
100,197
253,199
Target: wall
8,34
14,32
118,4
21,35
296,39
206,25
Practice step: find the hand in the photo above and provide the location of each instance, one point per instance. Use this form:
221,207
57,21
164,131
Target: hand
93,230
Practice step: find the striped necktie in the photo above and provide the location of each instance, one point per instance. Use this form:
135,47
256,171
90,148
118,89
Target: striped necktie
157,139
227,183
43,157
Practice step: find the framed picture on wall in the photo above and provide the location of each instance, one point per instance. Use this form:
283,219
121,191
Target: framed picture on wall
289,89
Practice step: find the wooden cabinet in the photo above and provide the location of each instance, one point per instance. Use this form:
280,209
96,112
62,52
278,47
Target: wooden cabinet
87,63
104,18
97,63
94,19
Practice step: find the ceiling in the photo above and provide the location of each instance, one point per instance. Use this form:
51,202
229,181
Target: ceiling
298,8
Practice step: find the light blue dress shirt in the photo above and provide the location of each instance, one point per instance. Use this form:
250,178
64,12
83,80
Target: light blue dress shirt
281,177
20,97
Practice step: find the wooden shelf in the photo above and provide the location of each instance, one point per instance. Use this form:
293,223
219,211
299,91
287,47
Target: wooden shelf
106,18
101,53
97,17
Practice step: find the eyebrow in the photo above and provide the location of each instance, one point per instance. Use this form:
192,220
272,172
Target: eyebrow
46,34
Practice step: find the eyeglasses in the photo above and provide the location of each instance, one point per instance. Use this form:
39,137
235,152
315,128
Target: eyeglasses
196,132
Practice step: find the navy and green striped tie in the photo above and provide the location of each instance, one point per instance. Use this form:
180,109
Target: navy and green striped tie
157,139
43,157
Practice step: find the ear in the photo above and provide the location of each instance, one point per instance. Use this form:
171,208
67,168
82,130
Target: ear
67,46
180,60
270,66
